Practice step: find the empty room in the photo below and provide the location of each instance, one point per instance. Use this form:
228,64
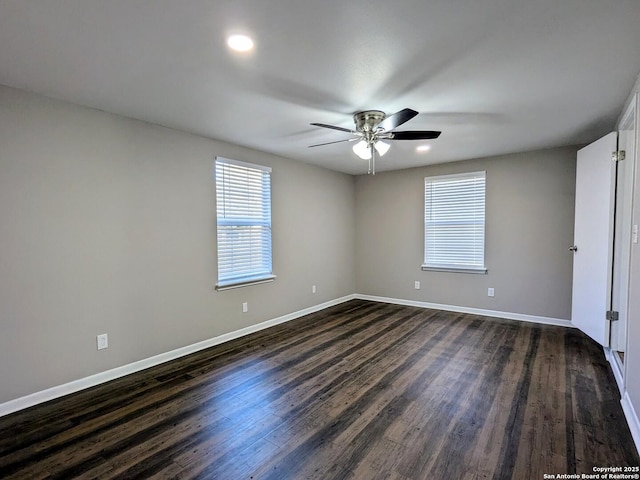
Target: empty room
319,240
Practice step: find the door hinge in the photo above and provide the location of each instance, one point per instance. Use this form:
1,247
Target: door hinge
612,315
618,155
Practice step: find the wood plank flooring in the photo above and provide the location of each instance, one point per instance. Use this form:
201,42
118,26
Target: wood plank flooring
362,390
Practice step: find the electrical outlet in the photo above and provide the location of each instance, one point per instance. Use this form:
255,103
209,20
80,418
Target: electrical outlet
313,289
634,233
491,292
102,341
245,307
417,285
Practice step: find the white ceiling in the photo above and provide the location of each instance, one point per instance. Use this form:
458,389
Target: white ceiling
496,76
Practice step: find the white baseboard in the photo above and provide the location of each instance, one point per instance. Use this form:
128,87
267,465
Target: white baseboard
616,368
74,386
632,419
476,311
61,390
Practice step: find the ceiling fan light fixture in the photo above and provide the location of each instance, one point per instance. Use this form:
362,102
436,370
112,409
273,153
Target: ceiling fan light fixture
362,150
382,147
372,126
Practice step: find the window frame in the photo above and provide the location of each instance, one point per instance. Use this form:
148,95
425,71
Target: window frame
432,265
263,219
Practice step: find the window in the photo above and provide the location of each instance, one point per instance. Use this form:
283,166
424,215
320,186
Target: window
243,197
454,222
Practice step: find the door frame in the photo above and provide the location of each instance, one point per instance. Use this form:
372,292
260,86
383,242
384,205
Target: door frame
623,238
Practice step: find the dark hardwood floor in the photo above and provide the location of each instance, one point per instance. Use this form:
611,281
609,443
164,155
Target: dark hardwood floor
362,390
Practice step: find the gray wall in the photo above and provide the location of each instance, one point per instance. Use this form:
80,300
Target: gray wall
108,225
529,226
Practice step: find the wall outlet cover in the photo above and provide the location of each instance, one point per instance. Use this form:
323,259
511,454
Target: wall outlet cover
102,341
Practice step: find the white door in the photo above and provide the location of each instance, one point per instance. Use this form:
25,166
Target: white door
593,238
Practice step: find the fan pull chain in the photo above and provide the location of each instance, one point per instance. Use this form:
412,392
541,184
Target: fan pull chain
373,160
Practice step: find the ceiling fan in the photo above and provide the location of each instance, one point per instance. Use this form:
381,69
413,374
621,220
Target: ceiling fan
374,126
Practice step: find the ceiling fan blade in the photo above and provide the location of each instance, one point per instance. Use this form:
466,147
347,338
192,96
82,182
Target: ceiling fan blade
329,143
397,119
414,135
333,127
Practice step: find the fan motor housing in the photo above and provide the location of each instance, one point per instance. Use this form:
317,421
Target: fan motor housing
368,120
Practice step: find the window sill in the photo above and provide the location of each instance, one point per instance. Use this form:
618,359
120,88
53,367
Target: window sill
477,271
220,287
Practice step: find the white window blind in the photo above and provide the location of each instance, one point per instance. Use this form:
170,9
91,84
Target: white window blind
454,207
243,197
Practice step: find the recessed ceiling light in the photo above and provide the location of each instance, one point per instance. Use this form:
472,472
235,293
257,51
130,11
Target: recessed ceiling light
240,43
423,148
